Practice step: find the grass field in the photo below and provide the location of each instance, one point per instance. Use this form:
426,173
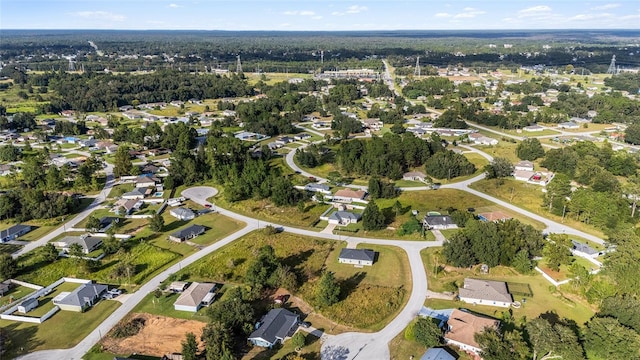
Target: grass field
164,306
370,297
503,149
63,330
528,197
545,296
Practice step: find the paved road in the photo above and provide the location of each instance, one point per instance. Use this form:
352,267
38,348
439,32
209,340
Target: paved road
78,218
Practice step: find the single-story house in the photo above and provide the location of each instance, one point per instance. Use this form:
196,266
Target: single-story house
138,193
480,139
196,296
302,136
414,176
321,125
182,213
523,175
187,233
373,124
125,207
344,218
88,243
568,125
437,354
533,128
357,256
348,195
106,222
524,165
14,232
439,222
80,299
284,140
5,170
28,305
315,187
462,327
274,327
585,249
146,181
178,286
485,292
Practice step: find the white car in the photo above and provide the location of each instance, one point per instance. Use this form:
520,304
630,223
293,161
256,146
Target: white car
115,292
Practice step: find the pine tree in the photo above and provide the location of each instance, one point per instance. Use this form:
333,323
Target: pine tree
372,218
327,290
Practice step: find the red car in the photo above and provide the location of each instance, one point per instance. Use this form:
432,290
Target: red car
208,206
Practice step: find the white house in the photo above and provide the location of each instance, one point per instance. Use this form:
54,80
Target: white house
485,292
183,214
348,195
533,128
524,165
196,296
343,218
462,327
373,124
439,222
414,176
480,139
568,125
359,257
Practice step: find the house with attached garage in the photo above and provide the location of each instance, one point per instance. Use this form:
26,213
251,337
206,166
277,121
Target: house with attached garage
187,233
146,181
80,299
437,354
357,257
138,193
182,214
348,196
438,222
88,243
14,232
196,296
274,328
523,165
343,218
461,328
315,187
414,176
485,292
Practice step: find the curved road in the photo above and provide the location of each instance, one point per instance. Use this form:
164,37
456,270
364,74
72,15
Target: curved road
77,219
354,342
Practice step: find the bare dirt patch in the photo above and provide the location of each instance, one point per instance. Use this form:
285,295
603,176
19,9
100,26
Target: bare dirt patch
159,336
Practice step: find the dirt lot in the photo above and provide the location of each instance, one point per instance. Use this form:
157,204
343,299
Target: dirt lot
160,335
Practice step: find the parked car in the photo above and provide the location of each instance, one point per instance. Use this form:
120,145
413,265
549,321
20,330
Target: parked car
208,206
115,292
107,296
304,324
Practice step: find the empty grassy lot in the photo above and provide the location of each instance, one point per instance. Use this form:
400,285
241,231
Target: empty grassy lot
369,298
528,197
545,296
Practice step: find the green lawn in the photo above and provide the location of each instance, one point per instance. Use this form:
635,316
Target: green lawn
16,293
63,330
9,249
164,306
503,149
370,298
545,296
528,197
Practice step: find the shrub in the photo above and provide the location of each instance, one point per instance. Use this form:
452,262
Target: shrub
129,328
298,340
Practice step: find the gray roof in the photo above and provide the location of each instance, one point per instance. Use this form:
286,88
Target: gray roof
15,229
87,242
194,295
485,290
182,212
189,231
83,295
357,254
339,215
437,354
578,246
275,325
433,220
29,302
316,187
136,192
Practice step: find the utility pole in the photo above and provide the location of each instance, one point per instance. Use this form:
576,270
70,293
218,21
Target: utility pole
612,67
239,65
416,72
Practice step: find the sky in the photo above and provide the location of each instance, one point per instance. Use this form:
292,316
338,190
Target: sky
319,15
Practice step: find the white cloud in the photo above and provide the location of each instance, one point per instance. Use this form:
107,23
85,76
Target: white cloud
174,6
442,15
605,7
630,17
534,11
355,9
299,13
337,13
100,15
317,17
589,17
469,13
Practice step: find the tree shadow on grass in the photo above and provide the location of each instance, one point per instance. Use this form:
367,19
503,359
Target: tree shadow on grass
349,285
22,340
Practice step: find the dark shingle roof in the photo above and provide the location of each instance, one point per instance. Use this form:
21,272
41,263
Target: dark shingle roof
437,354
15,229
189,231
357,254
83,294
275,325
438,220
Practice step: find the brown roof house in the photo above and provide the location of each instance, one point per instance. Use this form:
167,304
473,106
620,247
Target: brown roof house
485,292
348,195
196,296
462,327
